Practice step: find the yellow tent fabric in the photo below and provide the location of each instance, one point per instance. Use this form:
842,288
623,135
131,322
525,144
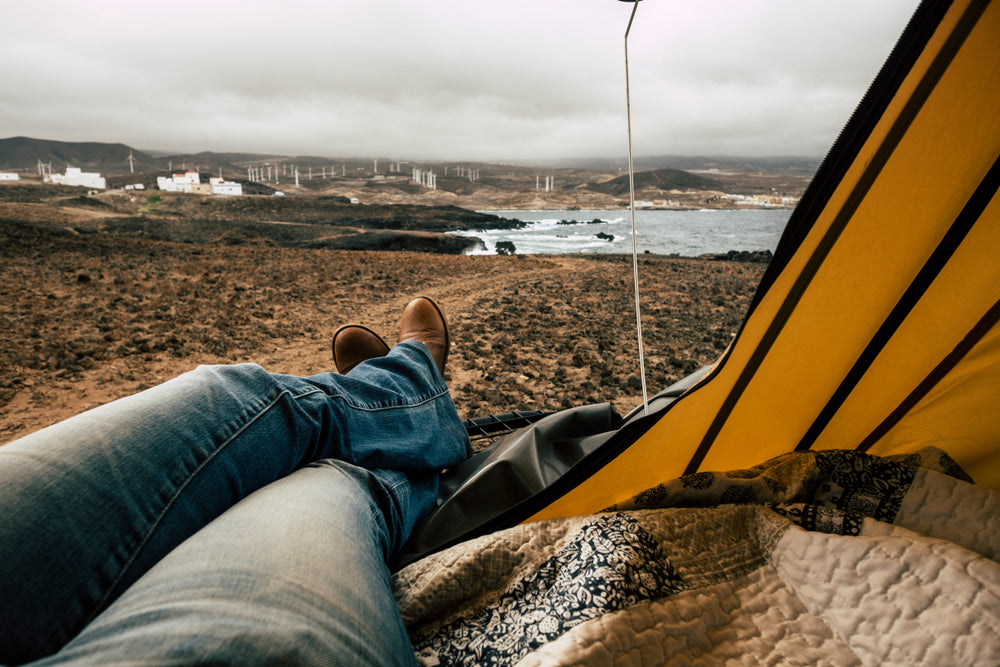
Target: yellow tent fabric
876,327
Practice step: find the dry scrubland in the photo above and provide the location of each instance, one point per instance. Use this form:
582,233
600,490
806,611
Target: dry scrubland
91,317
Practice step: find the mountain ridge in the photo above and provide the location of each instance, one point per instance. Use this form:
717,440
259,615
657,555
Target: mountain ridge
22,153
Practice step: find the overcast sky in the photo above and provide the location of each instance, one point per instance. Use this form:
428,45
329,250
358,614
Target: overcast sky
443,79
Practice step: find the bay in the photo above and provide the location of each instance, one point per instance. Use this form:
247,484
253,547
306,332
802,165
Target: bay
685,233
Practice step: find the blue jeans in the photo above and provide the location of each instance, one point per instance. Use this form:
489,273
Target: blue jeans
231,516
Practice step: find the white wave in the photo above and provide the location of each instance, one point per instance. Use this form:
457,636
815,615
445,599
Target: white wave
682,232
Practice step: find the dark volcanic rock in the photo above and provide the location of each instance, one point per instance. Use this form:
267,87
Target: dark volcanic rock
753,256
390,240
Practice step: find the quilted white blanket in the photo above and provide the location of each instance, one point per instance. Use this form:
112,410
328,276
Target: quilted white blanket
827,558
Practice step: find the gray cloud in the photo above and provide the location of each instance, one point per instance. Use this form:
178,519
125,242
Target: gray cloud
448,79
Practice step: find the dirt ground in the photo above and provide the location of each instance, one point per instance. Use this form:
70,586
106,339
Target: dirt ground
89,318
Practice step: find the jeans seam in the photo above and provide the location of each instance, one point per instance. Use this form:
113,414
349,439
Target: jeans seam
180,489
411,404
391,548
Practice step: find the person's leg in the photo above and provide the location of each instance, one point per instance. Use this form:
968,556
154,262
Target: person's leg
294,574
90,504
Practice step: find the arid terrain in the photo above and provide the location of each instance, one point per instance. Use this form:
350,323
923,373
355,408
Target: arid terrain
664,181
97,303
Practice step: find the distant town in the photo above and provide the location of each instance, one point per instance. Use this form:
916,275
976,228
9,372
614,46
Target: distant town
668,182
189,181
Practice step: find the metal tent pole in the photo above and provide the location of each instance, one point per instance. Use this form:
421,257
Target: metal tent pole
631,195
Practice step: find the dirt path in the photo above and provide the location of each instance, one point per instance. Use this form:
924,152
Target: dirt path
87,319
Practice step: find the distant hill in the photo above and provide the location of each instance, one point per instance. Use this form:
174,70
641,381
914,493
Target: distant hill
24,153
207,161
795,165
21,153
660,179
780,164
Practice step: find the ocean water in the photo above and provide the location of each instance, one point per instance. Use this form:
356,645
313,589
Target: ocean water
685,233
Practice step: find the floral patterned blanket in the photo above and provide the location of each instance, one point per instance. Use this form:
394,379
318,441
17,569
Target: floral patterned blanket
825,558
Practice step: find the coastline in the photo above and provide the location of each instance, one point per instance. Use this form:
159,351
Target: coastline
671,233
93,317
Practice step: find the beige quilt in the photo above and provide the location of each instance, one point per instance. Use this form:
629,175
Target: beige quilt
826,558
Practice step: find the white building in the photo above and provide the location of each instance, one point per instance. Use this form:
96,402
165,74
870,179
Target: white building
75,176
190,182
180,182
166,183
224,187
9,176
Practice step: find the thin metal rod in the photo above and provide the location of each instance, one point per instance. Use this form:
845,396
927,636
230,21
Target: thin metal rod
631,197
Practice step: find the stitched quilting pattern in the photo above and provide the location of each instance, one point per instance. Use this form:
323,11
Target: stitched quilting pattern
897,563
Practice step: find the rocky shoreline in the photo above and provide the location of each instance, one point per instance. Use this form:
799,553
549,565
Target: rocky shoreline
329,222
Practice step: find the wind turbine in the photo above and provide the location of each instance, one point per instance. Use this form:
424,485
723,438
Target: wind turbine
131,162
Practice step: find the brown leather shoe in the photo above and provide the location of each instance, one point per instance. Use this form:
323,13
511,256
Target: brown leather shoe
353,344
422,320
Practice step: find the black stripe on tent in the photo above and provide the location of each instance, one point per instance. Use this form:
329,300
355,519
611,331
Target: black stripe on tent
987,322
842,154
959,229
868,178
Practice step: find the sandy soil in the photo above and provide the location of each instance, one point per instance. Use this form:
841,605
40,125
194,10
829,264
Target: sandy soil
89,318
